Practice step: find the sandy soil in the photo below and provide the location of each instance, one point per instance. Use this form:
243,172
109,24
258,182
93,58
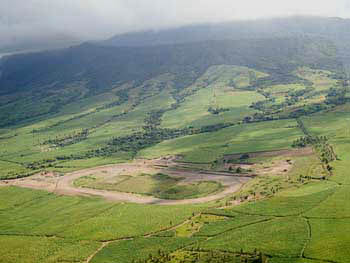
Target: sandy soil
277,168
63,185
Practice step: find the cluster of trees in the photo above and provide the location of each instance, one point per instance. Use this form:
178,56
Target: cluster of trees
300,93
243,157
262,105
141,140
238,170
41,164
309,140
211,128
336,96
302,127
153,120
326,154
258,117
321,145
268,106
15,175
275,111
68,139
153,135
218,110
307,110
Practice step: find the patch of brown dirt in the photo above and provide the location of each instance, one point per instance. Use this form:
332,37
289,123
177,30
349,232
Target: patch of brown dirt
3,183
63,185
277,168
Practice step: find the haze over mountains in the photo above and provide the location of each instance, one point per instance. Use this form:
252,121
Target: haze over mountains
335,28
273,45
24,44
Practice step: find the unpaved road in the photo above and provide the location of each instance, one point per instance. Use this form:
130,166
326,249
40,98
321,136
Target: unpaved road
63,185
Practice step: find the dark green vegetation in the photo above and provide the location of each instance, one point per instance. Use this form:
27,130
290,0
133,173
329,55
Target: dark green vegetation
217,105
87,107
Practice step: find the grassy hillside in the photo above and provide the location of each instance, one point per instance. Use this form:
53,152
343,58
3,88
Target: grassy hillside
275,110
44,83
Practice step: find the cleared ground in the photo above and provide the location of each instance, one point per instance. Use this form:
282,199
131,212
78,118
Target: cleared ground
65,184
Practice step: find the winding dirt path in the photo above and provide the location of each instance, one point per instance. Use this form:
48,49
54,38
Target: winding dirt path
63,185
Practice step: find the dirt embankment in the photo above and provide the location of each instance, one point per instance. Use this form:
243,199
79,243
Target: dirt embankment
63,185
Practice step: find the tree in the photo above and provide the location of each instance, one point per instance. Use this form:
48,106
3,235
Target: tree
244,156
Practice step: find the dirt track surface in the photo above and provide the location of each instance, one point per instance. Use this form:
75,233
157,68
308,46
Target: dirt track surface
63,185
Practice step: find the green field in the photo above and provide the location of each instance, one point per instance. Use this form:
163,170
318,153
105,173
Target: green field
296,214
321,79
44,249
208,147
124,251
289,234
220,86
157,185
43,214
107,116
70,228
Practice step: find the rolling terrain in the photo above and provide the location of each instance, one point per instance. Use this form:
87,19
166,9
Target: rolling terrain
209,150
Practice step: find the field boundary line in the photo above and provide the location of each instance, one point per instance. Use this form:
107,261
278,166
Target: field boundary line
319,203
322,260
104,244
32,235
238,227
307,241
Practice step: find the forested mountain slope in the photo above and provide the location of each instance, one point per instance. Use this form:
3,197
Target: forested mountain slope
92,69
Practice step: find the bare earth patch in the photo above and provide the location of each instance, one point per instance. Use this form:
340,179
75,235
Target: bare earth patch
63,185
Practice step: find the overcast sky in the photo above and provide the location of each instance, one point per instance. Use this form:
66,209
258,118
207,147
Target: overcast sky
96,19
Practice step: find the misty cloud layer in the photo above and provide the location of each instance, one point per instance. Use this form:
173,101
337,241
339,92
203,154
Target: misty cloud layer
25,20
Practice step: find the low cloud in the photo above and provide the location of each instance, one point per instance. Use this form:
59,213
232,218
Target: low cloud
97,19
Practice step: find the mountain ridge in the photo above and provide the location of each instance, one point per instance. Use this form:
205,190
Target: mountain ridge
236,30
